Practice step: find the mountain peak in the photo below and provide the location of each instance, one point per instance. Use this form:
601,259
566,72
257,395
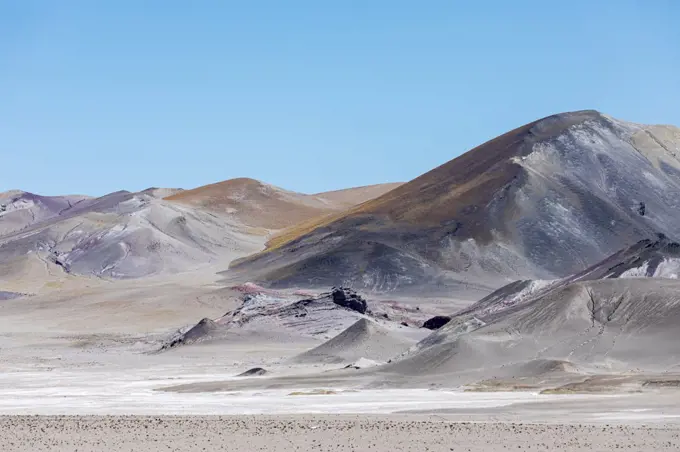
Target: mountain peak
542,201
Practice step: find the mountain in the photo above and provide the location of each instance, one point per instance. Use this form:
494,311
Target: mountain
658,258
155,231
363,339
262,205
543,201
19,209
617,315
350,197
120,235
599,327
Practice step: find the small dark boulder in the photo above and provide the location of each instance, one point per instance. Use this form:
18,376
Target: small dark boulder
254,372
436,322
348,298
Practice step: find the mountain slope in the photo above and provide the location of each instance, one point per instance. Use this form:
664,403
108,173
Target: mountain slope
262,205
158,230
646,259
616,315
611,325
363,339
121,235
543,201
350,197
19,209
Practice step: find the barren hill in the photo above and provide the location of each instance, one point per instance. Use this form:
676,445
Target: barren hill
646,259
363,339
128,235
262,205
19,209
603,326
120,235
615,316
350,197
545,200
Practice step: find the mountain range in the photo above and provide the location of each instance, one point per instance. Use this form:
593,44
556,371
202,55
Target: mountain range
546,259
155,231
543,201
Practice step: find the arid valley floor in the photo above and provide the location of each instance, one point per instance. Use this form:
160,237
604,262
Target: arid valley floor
101,385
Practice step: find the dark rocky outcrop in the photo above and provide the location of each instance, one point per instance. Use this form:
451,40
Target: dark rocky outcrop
254,372
436,322
348,298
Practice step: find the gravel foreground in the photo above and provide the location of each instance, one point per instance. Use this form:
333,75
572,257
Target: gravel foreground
318,433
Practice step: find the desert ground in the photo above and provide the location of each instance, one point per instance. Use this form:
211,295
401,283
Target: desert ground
321,433
78,374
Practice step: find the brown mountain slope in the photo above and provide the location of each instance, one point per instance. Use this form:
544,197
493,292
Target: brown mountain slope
544,200
429,198
350,197
262,205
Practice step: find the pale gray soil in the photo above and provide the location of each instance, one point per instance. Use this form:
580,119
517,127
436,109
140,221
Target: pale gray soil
319,433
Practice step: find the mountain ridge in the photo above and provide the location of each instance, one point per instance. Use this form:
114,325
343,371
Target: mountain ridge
273,207
136,234
503,211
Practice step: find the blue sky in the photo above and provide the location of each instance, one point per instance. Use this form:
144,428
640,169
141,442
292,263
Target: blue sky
97,96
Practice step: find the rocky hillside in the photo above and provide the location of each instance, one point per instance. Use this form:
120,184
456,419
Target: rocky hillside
155,231
543,201
121,235
262,205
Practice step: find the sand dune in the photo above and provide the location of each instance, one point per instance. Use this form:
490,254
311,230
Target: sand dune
363,339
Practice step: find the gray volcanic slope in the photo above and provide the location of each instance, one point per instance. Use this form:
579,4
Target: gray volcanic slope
617,315
601,326
19,209
646,259
543,201
120,235
364,339
158,230
281,314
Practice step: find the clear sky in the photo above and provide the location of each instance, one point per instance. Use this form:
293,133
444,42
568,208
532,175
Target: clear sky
98,96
